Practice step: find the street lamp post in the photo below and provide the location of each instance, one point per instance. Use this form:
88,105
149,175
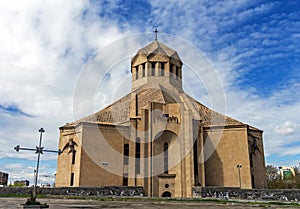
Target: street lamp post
34,175
54,182
104,165
239,166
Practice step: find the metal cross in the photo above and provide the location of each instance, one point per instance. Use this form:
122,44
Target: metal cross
155,31
38,150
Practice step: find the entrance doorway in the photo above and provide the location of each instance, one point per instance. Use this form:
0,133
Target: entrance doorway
166,194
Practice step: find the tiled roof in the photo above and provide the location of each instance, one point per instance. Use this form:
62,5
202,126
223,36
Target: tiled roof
118,112
212,118
156,47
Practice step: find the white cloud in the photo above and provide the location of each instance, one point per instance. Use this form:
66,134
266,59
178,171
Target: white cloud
43,48
286,128
240,47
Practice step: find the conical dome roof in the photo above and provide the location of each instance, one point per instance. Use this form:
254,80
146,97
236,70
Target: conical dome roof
156,47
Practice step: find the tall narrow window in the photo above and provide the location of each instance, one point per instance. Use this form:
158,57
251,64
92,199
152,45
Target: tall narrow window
251,160
125,179
136,105
137,155
73,157
136,72
144,69
126,154
195,160
162,69
153,68
72,179
253,181
166,163
177,72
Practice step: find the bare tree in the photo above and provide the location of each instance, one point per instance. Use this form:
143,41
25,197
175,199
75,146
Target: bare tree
272,173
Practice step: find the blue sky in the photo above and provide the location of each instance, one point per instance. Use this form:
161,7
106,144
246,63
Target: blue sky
254,46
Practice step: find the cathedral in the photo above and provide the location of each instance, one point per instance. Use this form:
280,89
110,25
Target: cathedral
160,138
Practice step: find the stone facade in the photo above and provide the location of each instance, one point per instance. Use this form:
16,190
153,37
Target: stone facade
160,138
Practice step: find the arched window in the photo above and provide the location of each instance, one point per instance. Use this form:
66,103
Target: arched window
166,163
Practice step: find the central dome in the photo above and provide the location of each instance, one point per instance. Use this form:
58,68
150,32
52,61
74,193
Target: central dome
156,63
156,47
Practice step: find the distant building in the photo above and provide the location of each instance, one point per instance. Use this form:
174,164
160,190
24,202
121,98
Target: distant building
22,183
286,172
3,178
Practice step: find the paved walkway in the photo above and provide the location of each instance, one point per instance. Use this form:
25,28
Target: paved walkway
12,203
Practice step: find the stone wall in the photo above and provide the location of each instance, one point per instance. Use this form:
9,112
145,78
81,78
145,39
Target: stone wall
78,191
198,192
248,194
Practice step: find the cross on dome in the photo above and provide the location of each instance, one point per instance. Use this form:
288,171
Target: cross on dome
155,31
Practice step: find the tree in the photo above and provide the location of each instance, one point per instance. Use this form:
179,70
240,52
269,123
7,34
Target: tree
275,180
273,177
297,177
272,173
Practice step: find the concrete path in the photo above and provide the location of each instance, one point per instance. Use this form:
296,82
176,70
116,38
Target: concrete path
12,203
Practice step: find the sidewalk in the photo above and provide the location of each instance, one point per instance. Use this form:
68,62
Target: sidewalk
12,203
